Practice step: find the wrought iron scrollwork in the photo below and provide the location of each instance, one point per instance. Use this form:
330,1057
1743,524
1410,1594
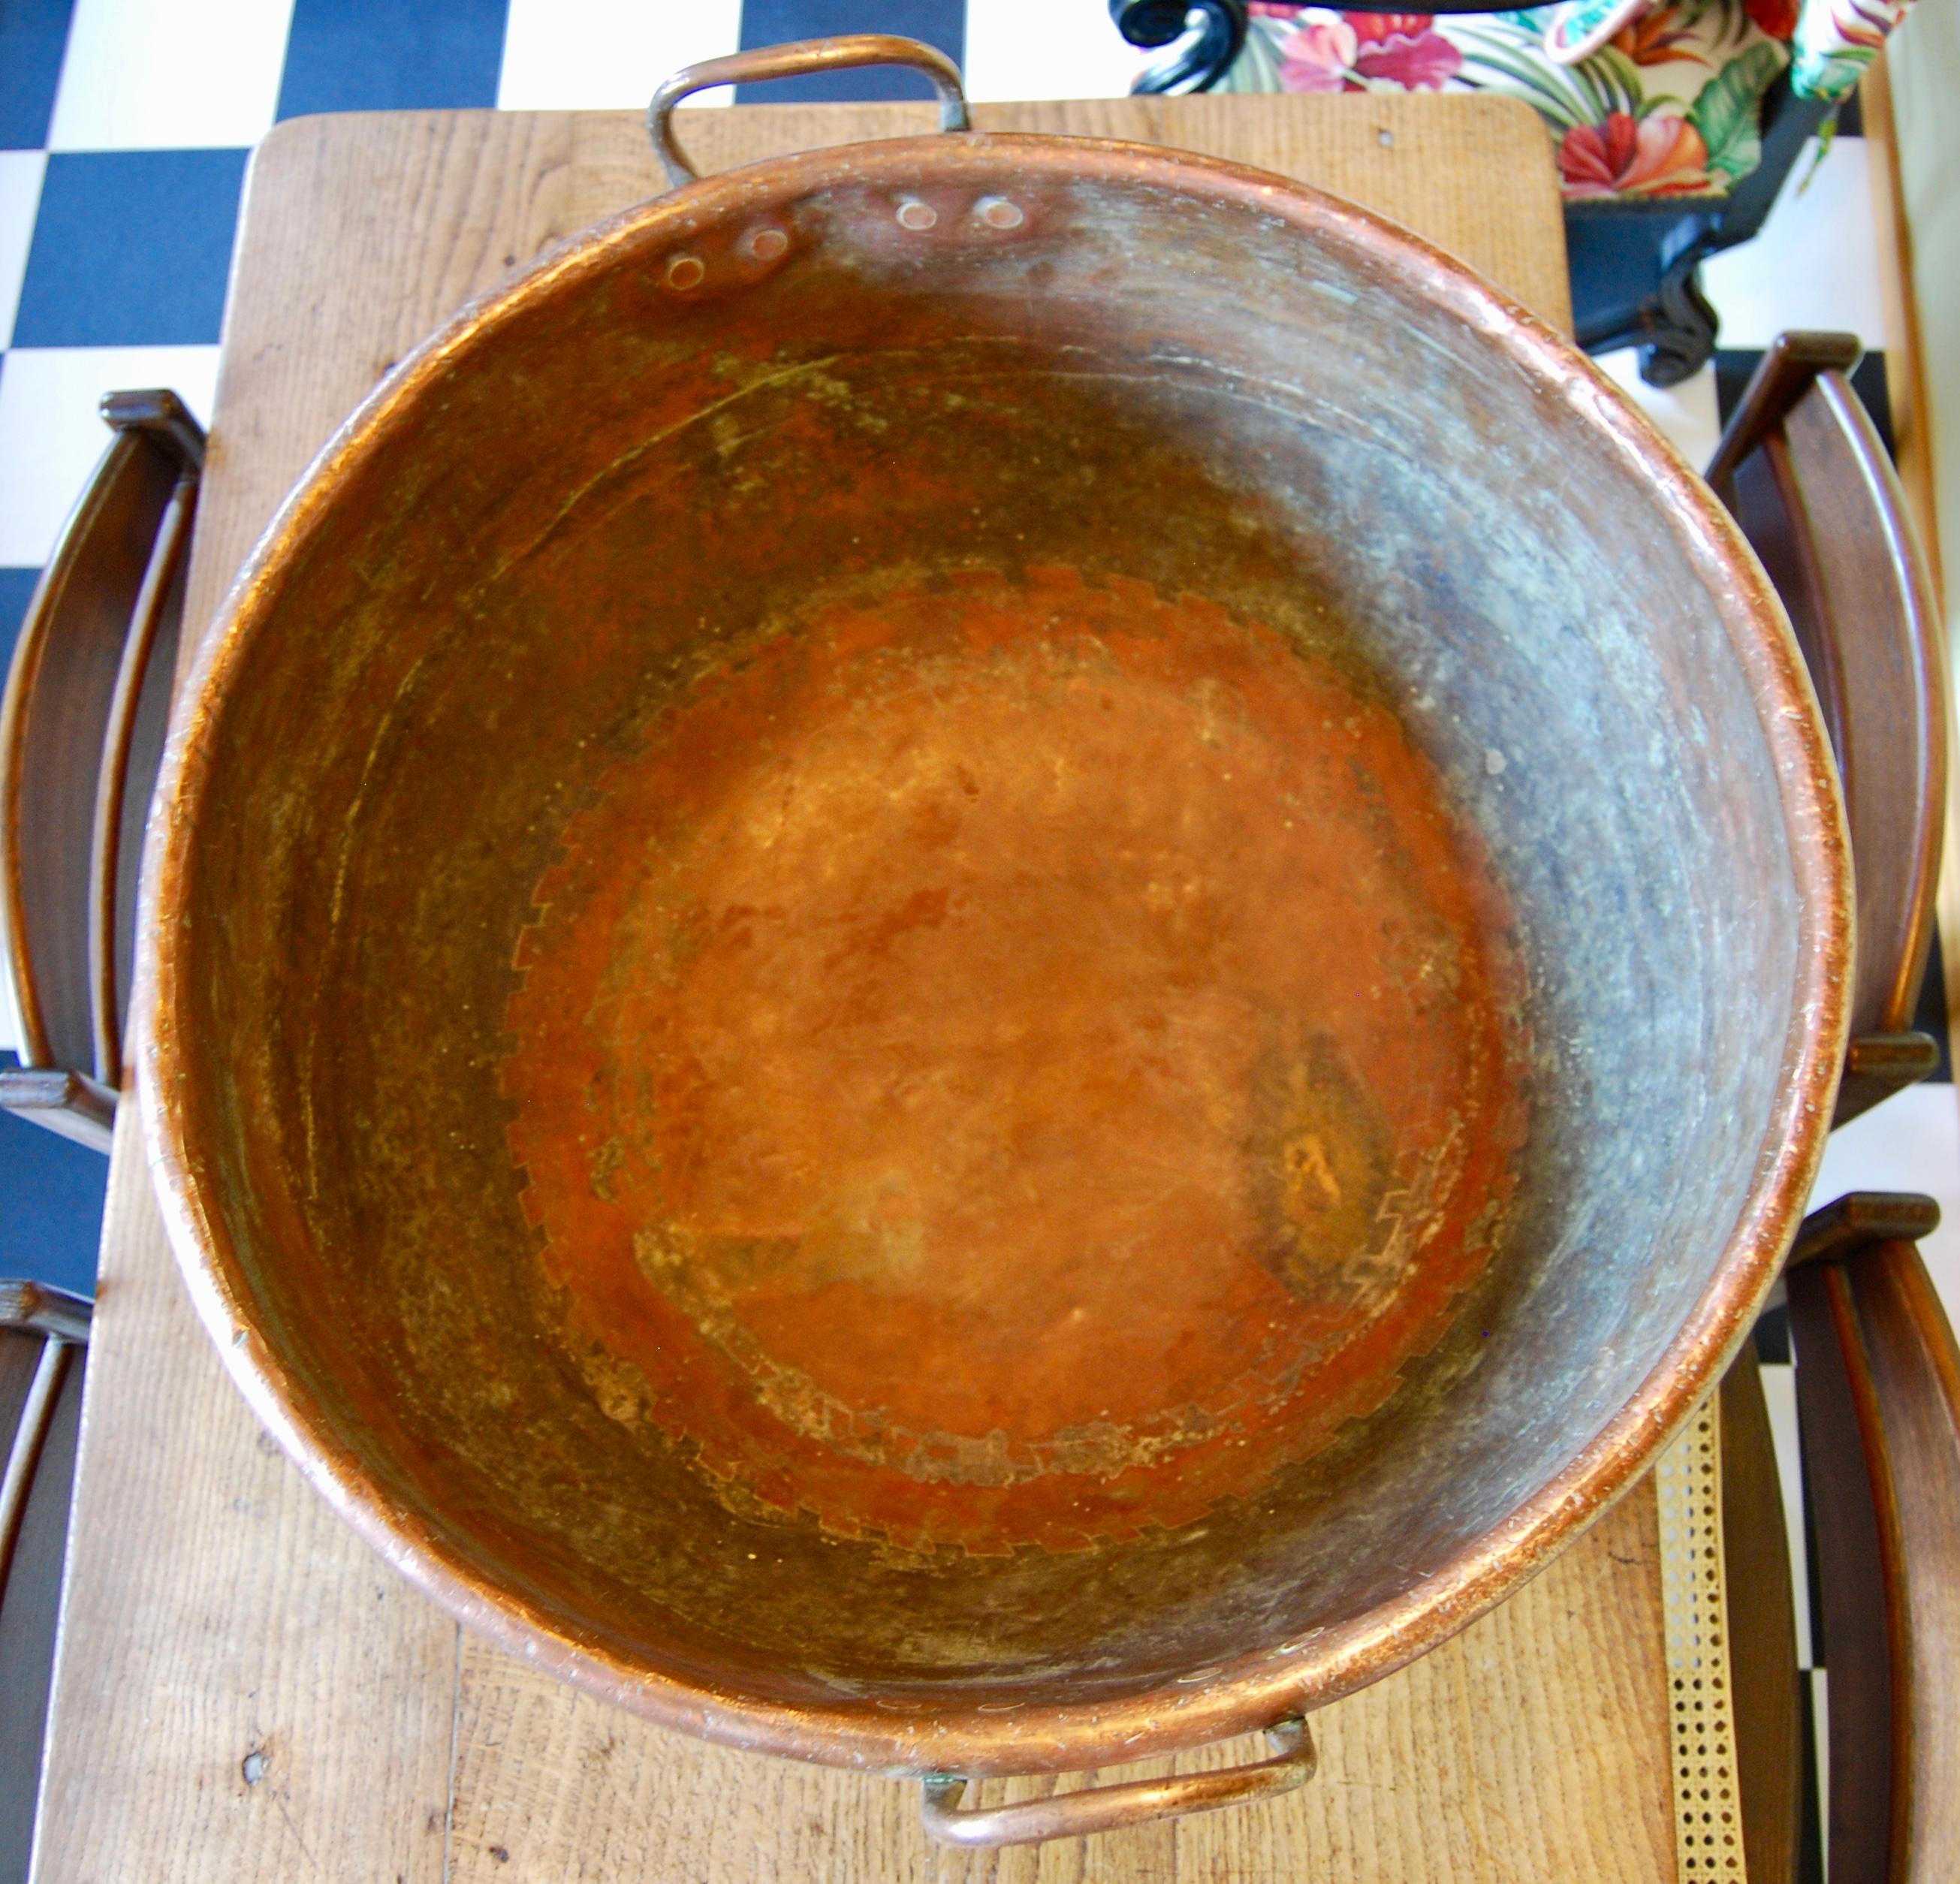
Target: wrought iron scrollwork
1204,37
1682,325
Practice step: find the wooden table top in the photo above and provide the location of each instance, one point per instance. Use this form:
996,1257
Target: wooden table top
244,1693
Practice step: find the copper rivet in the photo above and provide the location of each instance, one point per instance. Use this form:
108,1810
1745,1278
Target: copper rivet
766,244
687,271
997,213
914,215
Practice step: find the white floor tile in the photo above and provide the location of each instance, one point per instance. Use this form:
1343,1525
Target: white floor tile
1816,263
1035,49
1687,413
21,173
169,74
1909,1142
50,436
10,1013
1780,1391
608,55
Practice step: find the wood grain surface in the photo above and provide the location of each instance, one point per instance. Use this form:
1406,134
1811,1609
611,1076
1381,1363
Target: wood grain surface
244,1693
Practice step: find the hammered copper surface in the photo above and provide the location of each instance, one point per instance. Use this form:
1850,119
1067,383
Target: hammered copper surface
966,987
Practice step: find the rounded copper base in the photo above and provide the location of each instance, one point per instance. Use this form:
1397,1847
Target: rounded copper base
1013,1062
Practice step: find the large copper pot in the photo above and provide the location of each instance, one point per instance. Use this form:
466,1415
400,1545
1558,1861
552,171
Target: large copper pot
988,953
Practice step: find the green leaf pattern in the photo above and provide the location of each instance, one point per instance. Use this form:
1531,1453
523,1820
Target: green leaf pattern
1726,111
1833,74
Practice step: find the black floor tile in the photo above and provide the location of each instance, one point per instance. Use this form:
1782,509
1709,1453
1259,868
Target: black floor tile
33,36
939,23
131,248
394,55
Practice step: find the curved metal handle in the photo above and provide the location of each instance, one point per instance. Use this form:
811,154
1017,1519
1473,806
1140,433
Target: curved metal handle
1107,1808
82,727
1804,471
796,60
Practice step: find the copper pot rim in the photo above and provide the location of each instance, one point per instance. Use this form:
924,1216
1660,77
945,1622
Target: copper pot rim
1262,1687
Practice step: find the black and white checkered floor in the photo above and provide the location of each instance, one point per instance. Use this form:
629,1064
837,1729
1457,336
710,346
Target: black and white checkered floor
124,128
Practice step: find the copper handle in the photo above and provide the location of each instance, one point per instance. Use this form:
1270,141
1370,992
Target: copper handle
794,60
80,729
1806,475
1109,1808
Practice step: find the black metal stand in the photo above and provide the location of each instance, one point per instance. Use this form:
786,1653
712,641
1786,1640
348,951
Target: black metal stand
1635,280
1204,36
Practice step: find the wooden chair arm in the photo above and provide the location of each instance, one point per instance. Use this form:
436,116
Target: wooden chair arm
1807,477
1878,1388
81,730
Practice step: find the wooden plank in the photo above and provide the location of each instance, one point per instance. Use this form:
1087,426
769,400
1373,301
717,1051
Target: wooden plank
216,1611
1533,1746
244,1693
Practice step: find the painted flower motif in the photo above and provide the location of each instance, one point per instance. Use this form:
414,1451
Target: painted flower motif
1404,49
1319,55
1866,23
1835,41
1329,52
1775,17
1633,157
1663,35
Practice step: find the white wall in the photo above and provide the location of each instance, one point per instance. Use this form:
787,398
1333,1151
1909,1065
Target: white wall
1922,61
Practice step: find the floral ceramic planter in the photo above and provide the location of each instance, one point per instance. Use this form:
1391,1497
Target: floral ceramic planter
1645,101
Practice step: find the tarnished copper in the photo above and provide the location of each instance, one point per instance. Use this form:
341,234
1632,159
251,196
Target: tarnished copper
843,52
966,992
1292,1762
949,1097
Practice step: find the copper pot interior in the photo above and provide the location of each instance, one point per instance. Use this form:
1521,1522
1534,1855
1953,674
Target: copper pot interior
973,964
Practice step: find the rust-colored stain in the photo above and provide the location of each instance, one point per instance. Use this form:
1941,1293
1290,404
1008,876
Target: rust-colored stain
1012,1062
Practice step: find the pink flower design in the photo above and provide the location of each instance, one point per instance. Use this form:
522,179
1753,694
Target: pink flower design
1627,157
1331,52
1403,48
1319,56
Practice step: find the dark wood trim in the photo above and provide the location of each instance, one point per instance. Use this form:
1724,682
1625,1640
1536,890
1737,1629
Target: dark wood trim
1762,1629
1878,1381
1806,475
